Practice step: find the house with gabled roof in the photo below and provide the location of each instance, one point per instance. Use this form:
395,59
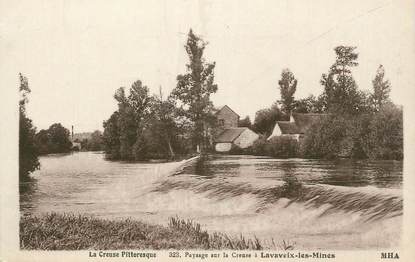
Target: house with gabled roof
297,126
229,134
241,137
227,118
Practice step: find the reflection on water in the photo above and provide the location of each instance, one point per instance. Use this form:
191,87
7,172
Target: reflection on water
344,172
316,203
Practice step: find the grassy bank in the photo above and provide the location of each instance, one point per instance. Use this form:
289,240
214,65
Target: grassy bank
76,232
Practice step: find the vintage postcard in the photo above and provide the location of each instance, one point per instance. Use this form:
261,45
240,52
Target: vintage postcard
207,130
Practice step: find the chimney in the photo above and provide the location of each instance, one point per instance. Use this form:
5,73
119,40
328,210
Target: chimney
72,133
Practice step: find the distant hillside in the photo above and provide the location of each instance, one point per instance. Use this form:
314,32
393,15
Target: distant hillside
82,136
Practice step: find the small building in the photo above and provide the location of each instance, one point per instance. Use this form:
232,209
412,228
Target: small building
76,146
228,134
297,126
227,118
241,137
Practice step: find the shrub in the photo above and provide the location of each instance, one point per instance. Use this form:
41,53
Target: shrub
384,139
377,135
279,147
326,138
259,146
282,147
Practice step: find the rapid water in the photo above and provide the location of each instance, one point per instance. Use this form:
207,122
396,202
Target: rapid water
312,204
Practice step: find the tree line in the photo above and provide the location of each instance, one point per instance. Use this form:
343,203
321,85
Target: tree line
55,139
153,126
359,124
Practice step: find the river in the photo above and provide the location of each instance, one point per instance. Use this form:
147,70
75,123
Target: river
312,204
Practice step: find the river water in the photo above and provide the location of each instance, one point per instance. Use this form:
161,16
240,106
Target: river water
312,204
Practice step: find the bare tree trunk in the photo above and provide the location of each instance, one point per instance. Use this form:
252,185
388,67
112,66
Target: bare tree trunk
172,155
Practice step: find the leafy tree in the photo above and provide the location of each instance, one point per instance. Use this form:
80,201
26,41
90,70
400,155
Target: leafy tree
164,127
381,89
384,138
28,155
133,112
265,119
126,123
310,104
59,138
95,143
194,88
245,122
325,138
111,137
42,141
288,86
340,89
53,140
123,132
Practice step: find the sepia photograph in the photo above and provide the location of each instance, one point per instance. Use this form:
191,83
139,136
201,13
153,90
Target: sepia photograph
266,129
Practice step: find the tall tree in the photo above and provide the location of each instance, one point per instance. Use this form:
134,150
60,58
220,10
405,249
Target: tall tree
245,122
265,119
288,86
59,138
310,104
123,132
126,123
162,125
140,103
195,87
340,88
111,137
381,89
95,143
28,156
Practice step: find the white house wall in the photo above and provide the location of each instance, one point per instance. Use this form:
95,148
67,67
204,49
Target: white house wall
223,147
275,132
246,139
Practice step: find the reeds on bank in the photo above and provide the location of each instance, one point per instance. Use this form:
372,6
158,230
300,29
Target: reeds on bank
77,232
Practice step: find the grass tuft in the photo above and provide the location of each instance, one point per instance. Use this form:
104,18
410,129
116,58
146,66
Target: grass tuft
55,231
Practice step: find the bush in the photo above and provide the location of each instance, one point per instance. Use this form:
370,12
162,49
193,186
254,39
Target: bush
326,138
259,146
376,135
279,147
53,140
384,139
282,147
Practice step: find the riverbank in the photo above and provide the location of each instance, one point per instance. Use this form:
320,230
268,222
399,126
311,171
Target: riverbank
306,202
76,232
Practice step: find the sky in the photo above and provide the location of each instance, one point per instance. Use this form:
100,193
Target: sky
77,53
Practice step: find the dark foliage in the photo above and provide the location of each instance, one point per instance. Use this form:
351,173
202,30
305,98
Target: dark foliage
144,127
28,155
194,89
373,135
53,140
265,119
94,143
245,122
278,147
288,86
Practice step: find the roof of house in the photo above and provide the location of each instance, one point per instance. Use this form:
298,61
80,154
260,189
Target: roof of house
230,134
305,120
288,127
226,106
